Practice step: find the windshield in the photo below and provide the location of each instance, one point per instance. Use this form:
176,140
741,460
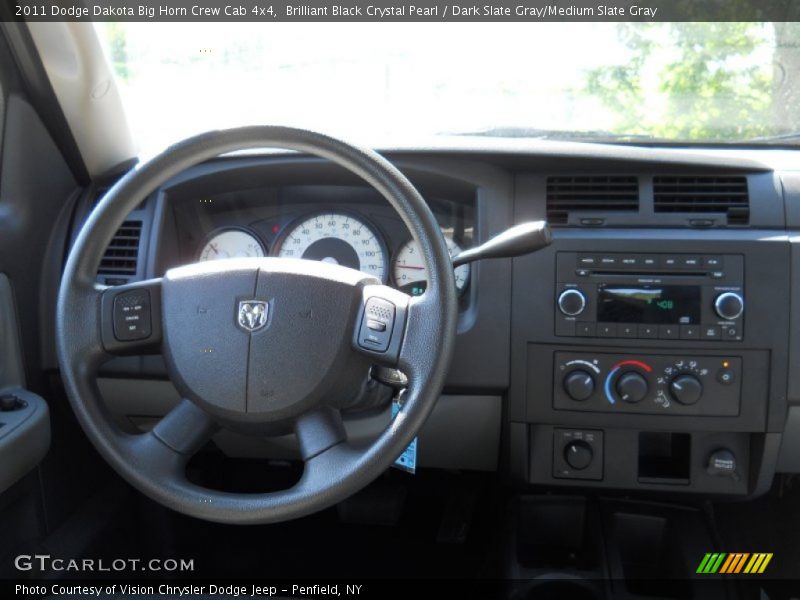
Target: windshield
398,83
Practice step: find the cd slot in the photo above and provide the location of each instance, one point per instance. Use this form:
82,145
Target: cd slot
659,274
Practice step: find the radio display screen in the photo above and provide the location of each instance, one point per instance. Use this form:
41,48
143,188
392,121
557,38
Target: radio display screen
667,304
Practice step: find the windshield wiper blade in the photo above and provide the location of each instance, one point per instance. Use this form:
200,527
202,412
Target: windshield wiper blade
557,134
789,137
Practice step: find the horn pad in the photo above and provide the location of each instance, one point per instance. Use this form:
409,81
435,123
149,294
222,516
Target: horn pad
262,340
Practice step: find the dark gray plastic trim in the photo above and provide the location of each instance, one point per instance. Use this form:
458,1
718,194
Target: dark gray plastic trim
24,437
11,372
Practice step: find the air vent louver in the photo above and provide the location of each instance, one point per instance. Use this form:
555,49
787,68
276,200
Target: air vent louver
122,254
590,193
703,194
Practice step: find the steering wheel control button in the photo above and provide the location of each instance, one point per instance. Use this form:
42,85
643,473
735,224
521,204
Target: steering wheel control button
571,302
132,316
377,325
578,454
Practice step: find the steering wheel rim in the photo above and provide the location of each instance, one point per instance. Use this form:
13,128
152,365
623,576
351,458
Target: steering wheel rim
154,462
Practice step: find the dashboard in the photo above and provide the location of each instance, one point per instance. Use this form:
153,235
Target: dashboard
648,349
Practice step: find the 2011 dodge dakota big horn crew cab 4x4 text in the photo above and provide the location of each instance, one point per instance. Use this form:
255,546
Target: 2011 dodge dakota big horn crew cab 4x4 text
305,306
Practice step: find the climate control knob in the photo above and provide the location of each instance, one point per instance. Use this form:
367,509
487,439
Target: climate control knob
578,454
571,302
729,306
632,387
579,385
686,389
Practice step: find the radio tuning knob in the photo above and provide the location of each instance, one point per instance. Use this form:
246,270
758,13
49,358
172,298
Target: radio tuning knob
579,385
686,389
632,387
571,302
729,306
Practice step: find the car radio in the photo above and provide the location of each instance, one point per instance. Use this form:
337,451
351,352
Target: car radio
650,296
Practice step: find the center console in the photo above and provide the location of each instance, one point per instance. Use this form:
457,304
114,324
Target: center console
650,359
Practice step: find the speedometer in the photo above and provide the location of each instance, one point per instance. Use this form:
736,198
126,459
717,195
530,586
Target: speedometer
231,243
411,275
336,238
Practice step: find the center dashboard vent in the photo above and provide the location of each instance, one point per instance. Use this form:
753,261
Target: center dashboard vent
703,194
590,193
122,255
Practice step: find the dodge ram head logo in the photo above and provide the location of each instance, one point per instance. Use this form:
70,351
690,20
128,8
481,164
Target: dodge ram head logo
252,314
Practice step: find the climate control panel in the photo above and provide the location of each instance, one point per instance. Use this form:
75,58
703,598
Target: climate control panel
647,384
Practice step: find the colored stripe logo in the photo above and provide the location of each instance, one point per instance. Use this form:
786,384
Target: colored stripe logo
734,563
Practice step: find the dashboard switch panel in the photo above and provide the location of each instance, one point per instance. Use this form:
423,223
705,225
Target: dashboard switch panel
647,384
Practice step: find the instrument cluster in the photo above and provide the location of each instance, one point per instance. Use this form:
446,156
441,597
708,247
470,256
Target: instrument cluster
371,240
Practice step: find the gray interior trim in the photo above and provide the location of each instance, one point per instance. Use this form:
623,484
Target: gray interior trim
463,432
12,374
789,453
24,438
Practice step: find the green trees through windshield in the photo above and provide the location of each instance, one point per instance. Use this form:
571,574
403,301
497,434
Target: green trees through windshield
704,81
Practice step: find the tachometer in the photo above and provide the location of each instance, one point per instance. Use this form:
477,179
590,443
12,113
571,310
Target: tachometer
336,238
231,243
411,275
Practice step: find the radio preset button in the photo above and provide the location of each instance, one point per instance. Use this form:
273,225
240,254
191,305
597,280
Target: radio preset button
648,331
669,332
606,330
627,331
585,329
690,332
571,302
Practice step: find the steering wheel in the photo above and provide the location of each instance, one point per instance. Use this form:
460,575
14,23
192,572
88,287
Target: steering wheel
256,345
